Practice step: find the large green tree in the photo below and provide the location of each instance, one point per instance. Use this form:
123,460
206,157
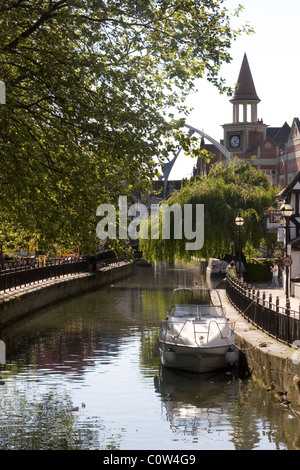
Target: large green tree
89,84
228,189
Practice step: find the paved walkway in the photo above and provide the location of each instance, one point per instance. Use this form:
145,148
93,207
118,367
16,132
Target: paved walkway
265,287
23,289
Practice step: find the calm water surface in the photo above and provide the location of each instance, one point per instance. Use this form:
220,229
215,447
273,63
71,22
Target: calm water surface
83,375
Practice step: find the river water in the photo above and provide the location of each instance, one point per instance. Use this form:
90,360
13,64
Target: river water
83,375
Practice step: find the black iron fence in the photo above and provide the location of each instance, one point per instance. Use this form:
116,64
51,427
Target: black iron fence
26,271
266,314
13,275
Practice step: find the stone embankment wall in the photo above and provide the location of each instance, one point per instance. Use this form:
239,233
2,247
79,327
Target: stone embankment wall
271,363
274,365
25,300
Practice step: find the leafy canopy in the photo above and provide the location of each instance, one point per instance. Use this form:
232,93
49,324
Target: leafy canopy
226,190
89,85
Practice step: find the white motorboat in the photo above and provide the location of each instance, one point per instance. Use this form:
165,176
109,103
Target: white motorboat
196,336
216,267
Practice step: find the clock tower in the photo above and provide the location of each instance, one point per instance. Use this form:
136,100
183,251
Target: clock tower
246,132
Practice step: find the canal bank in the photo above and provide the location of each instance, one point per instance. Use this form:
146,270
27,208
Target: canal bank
274,365
19,302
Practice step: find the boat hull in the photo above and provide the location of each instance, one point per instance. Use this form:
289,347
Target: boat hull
216,268
196,336
199,360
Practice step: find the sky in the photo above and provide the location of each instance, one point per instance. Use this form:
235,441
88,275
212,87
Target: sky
272,52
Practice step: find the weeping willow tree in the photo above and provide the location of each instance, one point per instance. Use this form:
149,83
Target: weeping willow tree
226,190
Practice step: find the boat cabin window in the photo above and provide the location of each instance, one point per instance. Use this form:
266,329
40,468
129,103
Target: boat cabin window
196,311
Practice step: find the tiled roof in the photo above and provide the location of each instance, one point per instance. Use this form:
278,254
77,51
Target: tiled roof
279,135
272,132
297,121
245,86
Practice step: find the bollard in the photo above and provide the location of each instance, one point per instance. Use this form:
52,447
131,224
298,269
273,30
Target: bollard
248,291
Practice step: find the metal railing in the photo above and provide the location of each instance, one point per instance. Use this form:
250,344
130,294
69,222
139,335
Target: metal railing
23,272
279,322
14,275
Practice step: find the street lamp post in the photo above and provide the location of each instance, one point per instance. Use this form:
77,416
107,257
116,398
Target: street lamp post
239,221
286,211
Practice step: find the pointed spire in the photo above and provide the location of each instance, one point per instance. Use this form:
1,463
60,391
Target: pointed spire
202,144
245,90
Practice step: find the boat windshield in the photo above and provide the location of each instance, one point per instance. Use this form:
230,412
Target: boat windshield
197,311
196,297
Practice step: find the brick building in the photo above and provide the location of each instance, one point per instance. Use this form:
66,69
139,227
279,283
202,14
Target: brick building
274,150
288,159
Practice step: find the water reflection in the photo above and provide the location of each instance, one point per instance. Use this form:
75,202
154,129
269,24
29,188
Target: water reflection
83,375
195,403
219,411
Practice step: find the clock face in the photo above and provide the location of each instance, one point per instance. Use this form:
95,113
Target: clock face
235,141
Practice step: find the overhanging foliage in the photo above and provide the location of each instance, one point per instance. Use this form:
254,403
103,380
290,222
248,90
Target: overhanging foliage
89,84
226,190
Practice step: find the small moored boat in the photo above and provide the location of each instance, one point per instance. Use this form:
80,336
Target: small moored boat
216,267
196,336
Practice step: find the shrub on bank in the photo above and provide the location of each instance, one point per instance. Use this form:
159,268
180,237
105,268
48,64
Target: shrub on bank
10,256
259,270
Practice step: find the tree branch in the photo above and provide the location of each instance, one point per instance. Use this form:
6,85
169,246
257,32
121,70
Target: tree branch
43,18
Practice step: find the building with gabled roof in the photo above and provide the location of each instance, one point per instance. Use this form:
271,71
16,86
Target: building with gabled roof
288,161
279,135
290,232
248,137
274,150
